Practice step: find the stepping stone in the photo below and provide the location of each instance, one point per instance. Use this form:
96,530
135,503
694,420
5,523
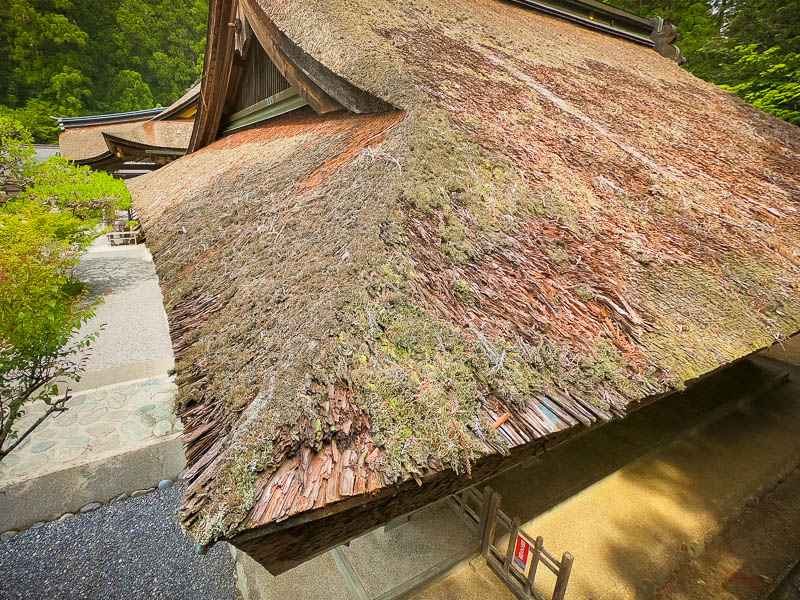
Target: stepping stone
135,431
163,427
40,447
76,401
143,409
12,460
164,410
65,455
93,417
97,396
100,430
116,400
117,417
78,440
65,419
164,397
147,420
165,484
87,407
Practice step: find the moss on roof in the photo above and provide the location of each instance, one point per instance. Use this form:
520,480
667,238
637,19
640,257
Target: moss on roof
558,225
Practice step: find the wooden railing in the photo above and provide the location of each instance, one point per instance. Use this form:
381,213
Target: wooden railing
518,564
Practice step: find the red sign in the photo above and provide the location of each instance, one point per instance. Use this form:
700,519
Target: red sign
522,553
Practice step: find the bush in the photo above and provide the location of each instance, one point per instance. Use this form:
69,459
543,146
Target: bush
43,233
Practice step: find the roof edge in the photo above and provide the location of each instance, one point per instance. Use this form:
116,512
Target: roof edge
108,119
656,32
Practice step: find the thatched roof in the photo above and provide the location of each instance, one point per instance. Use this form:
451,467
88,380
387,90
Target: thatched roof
85,144
554,226
183,107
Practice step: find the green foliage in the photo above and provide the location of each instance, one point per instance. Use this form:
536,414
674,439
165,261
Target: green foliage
15,153
69,58
751,47
130,92
770,81
43,232
87,194
40,312
36,116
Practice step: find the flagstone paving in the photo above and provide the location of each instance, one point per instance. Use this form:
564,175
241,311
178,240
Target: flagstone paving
97,423
120,432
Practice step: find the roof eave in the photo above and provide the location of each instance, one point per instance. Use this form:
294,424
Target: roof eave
109,119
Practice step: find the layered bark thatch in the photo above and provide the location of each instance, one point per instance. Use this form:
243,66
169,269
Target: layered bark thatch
555,226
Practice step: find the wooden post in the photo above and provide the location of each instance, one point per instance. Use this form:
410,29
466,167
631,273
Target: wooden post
512,540
563,577
537,555
483,527
488,539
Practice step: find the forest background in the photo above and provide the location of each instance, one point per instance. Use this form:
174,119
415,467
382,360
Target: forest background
73,58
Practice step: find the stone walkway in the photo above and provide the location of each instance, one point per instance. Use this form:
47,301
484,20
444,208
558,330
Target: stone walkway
98,423
120,432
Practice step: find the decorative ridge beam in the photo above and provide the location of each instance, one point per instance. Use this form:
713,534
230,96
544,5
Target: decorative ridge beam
656,33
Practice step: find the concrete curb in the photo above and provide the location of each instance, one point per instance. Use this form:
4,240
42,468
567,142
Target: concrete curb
49,496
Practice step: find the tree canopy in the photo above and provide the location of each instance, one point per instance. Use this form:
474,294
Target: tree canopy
72,58
751,47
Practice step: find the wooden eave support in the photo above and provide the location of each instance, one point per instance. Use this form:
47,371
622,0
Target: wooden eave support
270,39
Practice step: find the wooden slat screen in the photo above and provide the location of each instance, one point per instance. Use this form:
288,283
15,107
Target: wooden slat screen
260,80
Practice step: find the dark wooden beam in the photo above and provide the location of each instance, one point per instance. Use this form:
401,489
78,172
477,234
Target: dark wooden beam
220,49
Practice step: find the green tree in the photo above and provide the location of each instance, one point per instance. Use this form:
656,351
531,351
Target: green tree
35,114
70,58
769,80
43,232
130,92
749,47
16,154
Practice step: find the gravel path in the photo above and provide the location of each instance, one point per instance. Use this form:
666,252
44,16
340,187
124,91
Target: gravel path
131,549
132,313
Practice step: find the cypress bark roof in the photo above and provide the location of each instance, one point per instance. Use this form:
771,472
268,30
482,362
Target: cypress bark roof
555,226
87,144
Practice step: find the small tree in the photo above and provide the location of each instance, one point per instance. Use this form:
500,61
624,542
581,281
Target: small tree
43,233
41,309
